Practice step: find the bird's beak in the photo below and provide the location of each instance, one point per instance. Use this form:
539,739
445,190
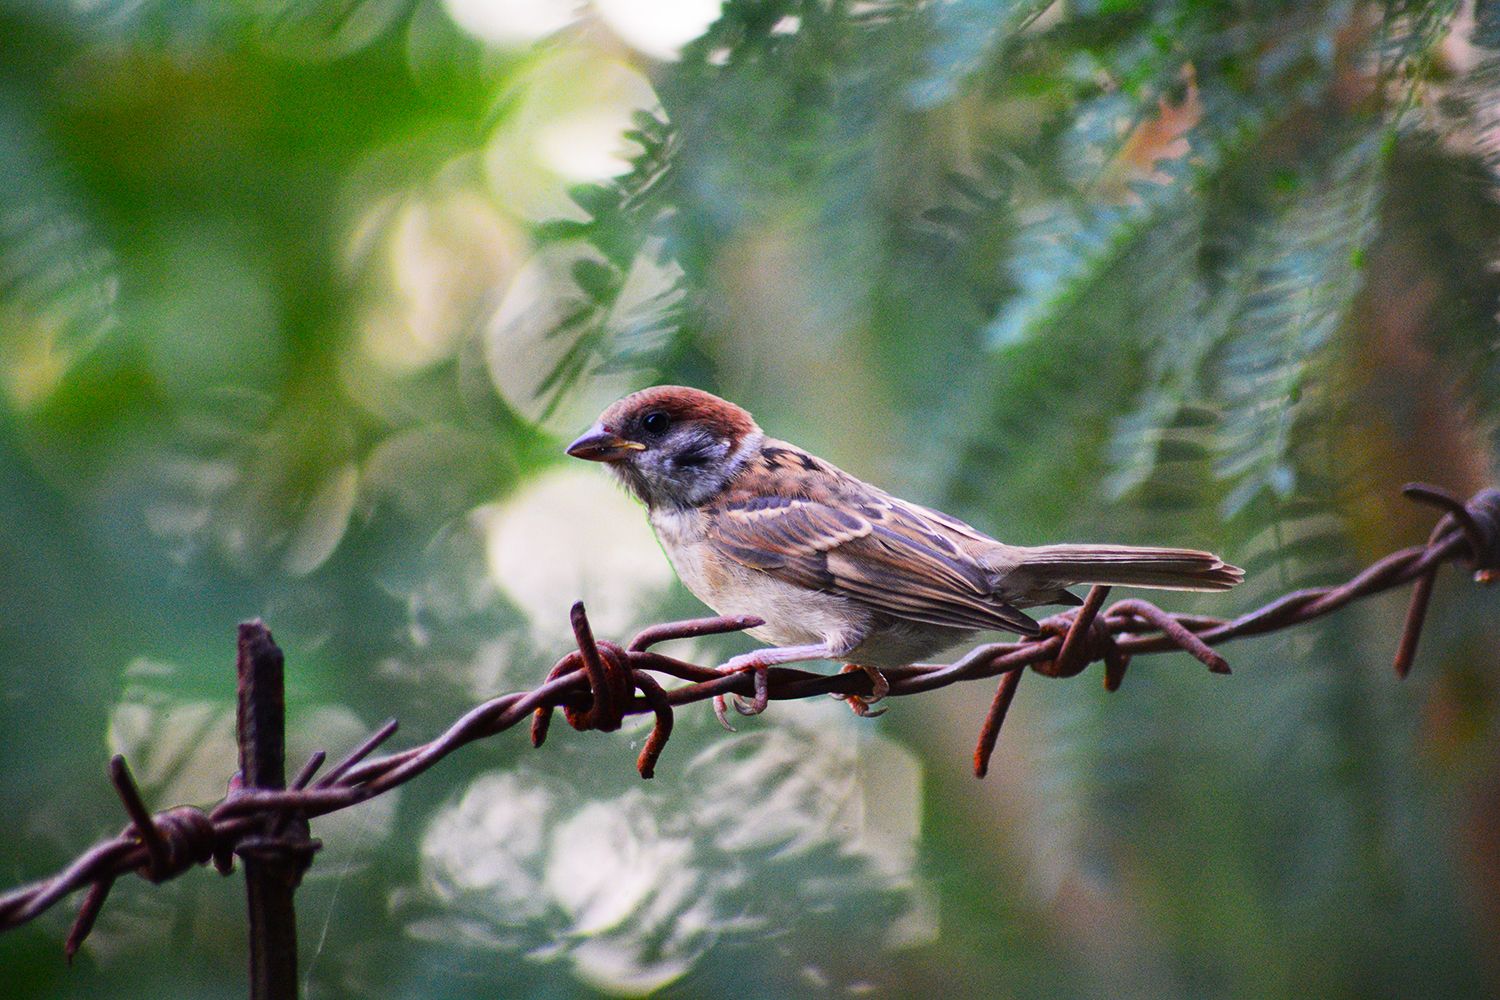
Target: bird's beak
599,444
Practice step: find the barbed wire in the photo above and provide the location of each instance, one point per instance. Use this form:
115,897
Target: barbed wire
600,683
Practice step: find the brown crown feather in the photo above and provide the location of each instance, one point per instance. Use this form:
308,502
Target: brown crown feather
682,403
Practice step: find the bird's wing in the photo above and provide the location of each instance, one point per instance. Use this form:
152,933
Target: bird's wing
867,546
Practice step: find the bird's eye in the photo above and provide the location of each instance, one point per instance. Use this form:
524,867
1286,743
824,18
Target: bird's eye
656,423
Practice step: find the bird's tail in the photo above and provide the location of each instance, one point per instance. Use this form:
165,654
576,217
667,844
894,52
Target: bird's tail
1128,566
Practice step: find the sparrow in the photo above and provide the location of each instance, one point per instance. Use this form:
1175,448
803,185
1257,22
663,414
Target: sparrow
838,569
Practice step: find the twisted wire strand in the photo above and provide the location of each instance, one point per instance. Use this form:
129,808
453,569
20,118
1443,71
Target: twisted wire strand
601,682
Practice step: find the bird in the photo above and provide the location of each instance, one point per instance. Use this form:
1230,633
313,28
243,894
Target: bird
835,568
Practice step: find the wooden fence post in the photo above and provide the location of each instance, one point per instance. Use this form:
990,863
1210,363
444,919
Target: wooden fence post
272,871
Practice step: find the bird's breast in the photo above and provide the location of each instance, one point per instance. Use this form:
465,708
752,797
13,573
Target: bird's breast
793,615
684,538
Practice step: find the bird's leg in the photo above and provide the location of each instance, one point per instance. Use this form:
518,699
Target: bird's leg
760,661
879,688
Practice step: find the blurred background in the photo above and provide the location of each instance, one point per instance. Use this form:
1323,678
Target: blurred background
300,301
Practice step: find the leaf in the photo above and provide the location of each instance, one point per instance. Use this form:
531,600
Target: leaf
323,31
598,280
58,278
317,32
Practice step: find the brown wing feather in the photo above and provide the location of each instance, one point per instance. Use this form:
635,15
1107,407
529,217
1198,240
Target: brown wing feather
867,546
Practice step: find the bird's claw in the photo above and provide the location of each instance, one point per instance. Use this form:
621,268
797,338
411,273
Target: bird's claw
879,688
721,712
758,703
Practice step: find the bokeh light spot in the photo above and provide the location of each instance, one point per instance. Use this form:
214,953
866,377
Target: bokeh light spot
572,535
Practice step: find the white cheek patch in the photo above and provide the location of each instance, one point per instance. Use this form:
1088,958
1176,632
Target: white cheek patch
736,459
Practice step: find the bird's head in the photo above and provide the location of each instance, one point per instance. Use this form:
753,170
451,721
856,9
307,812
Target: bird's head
671,446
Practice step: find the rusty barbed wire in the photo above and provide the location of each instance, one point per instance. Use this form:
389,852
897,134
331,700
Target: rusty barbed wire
600,683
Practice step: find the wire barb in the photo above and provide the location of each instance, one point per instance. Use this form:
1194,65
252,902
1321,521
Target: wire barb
141,823
1478,520
1070,659
596,686
366,747
989,733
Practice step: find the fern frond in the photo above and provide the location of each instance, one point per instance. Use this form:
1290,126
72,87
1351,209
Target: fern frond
970,34
622,319
1304,271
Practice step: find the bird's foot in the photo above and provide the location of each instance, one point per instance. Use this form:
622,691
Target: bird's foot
746,662
879,688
